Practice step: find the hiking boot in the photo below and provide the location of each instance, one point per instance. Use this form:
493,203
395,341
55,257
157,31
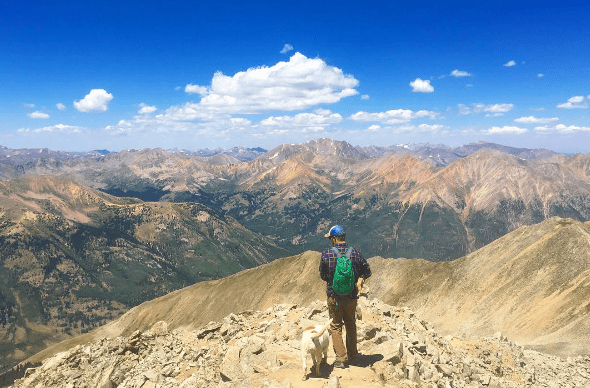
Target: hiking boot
353,358
339,364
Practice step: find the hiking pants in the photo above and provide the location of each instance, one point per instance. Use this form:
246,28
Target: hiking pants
344,313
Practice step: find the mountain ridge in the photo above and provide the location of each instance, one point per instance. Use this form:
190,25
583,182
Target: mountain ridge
73,258
495,289
183,212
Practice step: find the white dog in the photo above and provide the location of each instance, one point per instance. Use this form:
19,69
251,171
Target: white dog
315,341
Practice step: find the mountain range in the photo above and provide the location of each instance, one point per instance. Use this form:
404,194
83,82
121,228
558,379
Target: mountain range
73,258
532,285
294,192
86,236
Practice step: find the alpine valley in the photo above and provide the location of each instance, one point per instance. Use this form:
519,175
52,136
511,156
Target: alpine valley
84,237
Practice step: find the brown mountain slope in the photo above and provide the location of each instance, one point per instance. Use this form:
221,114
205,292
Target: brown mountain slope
73,258
533,285
292,193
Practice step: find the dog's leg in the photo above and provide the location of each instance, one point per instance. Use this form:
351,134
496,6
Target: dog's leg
316,362
304,363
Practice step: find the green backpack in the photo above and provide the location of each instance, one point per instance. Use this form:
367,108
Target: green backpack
343,283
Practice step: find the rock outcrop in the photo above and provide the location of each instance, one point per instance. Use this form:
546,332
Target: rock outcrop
261,349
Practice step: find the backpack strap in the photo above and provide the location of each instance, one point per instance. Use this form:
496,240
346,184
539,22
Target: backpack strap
337,252
349,252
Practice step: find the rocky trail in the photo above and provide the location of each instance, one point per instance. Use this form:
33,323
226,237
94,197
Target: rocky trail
261,349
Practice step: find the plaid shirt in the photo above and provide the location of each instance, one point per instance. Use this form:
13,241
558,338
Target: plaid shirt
328,266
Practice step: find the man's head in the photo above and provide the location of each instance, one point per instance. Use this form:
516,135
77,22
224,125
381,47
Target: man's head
336,234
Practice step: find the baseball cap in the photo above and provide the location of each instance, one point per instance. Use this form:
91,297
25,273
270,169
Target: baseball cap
337,231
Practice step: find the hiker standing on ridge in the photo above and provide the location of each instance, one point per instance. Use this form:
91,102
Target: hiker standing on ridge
342,302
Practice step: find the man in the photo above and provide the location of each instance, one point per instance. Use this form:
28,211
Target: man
342,308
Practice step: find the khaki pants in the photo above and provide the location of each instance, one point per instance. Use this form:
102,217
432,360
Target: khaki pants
343,314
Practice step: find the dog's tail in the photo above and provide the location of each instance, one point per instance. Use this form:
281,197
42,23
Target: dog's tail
322,329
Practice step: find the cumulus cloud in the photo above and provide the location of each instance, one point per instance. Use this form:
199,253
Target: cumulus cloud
499,108
306,122
365,97
535,120
286,48
146,109
422,128
505,130
374,128
575,102
490,109
540,75
460,73
60,106
38,115
59,128
561,128
297,84
393,116
95,101
510,64
421,86
195,89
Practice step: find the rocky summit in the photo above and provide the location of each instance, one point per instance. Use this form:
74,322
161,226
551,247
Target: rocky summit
261,349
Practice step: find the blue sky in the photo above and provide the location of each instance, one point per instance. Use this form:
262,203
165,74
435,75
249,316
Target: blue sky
78,76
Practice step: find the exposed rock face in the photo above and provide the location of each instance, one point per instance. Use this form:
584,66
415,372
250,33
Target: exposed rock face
261,349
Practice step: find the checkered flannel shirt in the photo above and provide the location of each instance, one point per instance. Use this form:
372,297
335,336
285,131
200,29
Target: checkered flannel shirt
328,266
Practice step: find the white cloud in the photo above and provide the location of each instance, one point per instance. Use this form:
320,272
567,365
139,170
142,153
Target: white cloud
239,122
540,75
38,115
422,128
295,85
60,106
187,112
95,101
365,97
59,128
499,108
510,64
505,130
561,128
195,89
306,122
393,116
286,48
374,128
421,86
576,99
491,109
30,106
146,109
460,73
575,102
535,120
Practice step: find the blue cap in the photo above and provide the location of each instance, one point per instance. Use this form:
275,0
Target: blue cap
336,231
